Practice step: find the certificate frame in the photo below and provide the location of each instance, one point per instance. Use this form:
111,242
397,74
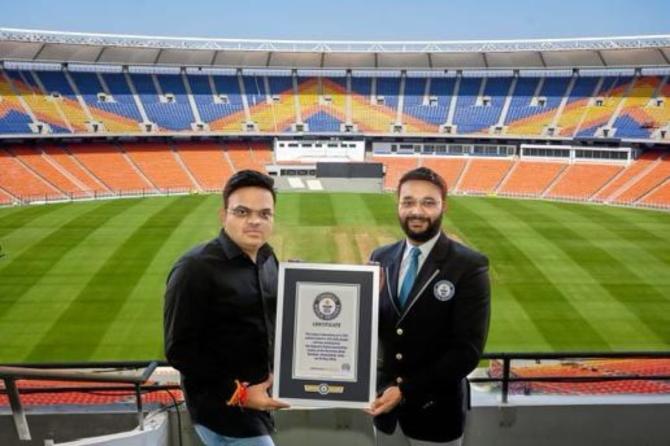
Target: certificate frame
326,335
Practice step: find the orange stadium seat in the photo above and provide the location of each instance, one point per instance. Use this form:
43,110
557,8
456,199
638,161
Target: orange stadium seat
20,181
50,171
660,196
483,175
450,169
581,181
249,156
653,178
395,167
591,368
159,164
628,175
531,177
207,162
262,154
75,168
110,166
5,198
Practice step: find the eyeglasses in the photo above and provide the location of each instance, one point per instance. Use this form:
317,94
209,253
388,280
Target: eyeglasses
244,212
426,203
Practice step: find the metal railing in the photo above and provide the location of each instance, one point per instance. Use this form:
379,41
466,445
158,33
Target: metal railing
139,382
11,374
98,195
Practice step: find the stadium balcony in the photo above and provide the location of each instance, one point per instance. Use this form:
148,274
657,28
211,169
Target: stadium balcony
517,398
83,102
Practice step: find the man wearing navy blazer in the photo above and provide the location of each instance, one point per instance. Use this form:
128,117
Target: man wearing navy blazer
434,311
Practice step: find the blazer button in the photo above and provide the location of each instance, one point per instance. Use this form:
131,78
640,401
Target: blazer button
398,356
399,332
399,380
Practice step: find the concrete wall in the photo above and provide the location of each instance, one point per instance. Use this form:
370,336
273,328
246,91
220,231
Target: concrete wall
494,425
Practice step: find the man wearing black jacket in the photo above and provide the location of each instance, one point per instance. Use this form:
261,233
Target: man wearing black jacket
434,311
219,316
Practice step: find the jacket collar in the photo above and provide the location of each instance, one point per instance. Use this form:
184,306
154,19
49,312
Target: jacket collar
430,267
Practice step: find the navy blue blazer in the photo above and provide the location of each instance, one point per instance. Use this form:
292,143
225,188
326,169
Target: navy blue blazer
430,346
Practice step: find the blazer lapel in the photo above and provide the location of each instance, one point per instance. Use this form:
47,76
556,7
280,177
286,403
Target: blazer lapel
429,269
392,275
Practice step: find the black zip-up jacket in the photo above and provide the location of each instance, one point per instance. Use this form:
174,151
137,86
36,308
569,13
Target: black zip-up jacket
219,320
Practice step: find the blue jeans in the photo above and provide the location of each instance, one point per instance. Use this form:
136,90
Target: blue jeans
211,438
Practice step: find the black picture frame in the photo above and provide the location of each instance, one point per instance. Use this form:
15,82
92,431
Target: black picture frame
326,335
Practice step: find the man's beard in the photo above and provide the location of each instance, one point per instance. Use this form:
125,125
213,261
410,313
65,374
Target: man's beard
425,235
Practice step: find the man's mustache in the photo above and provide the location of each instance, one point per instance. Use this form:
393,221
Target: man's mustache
423,219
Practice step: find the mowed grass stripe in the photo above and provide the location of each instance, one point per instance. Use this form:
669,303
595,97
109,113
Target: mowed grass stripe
15,219
30,318
287,210
622,283
655,243
553,314
350,210
141,315
23,271
315,209
609,317
87,318
382,207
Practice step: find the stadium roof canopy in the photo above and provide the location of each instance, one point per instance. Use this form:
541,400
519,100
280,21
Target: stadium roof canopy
107,49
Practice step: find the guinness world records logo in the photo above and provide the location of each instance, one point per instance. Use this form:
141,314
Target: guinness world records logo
327,306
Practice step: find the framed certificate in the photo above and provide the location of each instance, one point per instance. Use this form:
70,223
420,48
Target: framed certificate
326,335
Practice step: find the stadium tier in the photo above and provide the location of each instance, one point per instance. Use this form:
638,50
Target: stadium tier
73,102
81,170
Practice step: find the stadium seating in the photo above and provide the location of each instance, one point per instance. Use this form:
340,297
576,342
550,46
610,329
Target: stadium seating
19,180
654,177
249,156
207,162
395,167
13,118
70,102
168,114
55,82
639,117
76,169
81,170
110,166
116,117
5,198
581,181
659,196
577,104
630,174
483,175
319,114
472,115
160,166
58,177
420,107
530,178
211,109
529,117
586,369
450,169
45,108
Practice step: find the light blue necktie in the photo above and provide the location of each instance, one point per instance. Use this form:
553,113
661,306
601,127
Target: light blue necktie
410,276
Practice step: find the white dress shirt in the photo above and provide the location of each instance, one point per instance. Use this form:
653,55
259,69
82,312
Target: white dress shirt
425,249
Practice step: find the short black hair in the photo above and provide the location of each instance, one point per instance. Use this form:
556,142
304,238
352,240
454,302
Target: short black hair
425,174
248,178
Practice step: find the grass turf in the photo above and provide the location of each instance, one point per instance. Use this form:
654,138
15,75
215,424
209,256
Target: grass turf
84,281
